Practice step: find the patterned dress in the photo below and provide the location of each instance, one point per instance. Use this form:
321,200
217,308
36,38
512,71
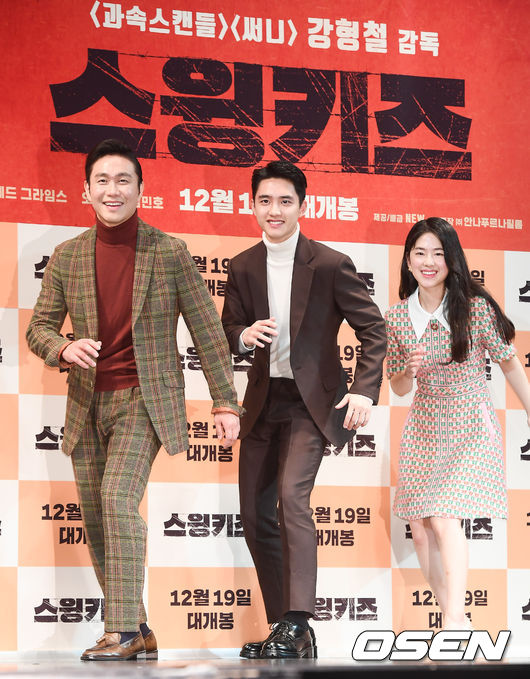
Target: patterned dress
451,461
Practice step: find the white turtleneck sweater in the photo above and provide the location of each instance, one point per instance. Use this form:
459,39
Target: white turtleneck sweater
280,260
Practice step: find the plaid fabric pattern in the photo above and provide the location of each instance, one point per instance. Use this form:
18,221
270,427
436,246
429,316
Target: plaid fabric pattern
166,284
112,462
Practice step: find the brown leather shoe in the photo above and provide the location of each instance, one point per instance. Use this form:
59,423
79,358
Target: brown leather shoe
151,648
111,649
100,643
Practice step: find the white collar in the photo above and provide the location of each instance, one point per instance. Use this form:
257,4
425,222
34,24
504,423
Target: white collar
285,249
420,318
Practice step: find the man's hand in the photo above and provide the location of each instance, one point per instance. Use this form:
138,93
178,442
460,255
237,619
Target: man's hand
227,428
358,410
82,352
259,332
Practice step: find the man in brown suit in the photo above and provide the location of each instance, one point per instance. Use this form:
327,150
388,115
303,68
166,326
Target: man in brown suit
286,298
124,285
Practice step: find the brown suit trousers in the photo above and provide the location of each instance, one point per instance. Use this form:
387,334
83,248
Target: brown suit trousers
278,463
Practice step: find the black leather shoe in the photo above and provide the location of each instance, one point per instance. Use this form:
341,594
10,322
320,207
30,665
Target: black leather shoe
252,649
290,640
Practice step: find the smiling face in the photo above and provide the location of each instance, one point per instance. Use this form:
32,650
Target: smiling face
426,262
114,190
277,208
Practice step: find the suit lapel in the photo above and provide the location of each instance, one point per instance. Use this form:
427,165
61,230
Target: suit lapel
257,279
86,277
301,285
143,268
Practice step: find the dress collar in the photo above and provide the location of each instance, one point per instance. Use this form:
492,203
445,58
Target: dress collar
420,318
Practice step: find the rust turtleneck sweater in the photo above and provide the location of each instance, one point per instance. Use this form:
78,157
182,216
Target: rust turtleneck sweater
115,256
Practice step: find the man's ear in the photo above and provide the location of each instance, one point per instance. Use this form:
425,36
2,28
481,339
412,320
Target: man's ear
87,189
303,208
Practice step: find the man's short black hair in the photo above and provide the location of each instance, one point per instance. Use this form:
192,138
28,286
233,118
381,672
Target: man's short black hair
112,147
280,169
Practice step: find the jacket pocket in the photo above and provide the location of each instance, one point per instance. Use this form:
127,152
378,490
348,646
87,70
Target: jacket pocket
173,378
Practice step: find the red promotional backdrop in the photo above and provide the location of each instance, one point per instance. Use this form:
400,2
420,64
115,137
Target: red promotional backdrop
395,111
418,109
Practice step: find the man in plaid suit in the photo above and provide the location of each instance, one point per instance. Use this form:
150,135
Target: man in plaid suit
124,285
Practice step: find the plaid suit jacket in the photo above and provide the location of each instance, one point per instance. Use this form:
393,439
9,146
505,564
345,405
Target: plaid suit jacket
166,284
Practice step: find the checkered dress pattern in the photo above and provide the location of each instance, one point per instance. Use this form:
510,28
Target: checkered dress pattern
451,460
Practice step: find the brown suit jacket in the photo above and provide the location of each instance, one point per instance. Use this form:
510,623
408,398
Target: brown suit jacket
166,285
325,291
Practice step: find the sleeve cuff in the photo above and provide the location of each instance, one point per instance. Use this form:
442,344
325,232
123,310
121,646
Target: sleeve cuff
225,409
62,362
370,400
243,348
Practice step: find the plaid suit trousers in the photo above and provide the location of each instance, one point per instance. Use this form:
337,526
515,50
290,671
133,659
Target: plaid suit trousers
112,462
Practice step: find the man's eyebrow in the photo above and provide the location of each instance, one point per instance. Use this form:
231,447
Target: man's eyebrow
268,195
119,174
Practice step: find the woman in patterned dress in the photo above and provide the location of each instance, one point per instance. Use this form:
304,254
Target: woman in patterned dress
451,460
